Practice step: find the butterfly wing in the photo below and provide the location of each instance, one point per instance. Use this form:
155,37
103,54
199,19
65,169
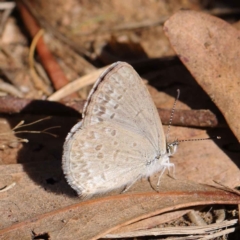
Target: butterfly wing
103,157
120,96
120,137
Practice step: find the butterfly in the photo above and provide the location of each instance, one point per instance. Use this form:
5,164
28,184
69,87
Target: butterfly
120,138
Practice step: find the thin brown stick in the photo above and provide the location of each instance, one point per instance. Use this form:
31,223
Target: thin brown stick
39,84
190,118
56,74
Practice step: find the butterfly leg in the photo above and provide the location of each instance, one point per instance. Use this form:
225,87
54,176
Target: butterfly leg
167,165
171,165
150,183
127,187
158,182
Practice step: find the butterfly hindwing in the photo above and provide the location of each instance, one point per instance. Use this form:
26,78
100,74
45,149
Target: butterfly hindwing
102,157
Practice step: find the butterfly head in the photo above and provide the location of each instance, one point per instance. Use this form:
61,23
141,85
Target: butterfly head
172,147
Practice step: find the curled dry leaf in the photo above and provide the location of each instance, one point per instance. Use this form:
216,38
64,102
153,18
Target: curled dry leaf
209,48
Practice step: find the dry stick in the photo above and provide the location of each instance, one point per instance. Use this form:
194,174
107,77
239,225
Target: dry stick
51,66
11,105
6,188
39,84
194,118
7,7
200,118
21,125
76,85
42,131
10,89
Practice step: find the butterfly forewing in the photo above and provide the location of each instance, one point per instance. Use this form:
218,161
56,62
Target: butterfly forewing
122,98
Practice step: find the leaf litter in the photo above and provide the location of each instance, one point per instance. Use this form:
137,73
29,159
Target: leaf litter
32,172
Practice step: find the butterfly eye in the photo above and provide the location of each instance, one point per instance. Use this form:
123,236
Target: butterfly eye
172,148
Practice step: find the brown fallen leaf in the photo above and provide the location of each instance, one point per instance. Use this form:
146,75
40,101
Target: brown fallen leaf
206,161
209,48
43,213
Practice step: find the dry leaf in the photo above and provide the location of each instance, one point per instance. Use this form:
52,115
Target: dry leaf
209,48
40,212
206,161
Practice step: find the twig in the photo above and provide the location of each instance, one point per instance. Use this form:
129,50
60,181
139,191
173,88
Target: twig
21,125
10,105
193,118
54,71
39,84
41,131
7,7
76,85
6,188
10,89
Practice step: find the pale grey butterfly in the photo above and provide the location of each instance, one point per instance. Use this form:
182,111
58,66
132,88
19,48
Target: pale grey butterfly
120,138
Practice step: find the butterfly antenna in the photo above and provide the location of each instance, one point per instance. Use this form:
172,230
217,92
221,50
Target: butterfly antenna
199,139
172,113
